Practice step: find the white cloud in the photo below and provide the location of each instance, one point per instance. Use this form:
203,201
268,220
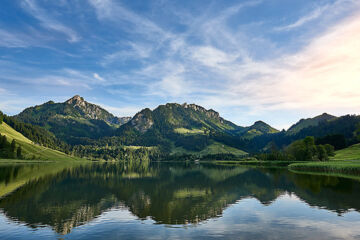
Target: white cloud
212,57
12,40
325,75
97,77
214,62
305,19
134,51
49,22
113,11
328,9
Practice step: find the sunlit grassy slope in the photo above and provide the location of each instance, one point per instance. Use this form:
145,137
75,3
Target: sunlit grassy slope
29,149
350,153
214,148
186,131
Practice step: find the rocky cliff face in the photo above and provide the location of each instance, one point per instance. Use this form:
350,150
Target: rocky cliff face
142,121
209,113
92,111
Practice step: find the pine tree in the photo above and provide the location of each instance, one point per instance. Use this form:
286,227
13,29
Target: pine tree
3,142
19,152
13,145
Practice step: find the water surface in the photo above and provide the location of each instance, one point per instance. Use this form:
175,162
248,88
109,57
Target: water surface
157,201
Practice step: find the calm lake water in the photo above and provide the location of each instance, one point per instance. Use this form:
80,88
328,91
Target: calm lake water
174,201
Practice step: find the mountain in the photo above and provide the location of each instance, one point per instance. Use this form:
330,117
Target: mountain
309,122
175,128
182,119
178,128
30,150
91,111
337,131
257,129
73,119
172,128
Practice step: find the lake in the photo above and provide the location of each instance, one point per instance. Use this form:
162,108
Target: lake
174,201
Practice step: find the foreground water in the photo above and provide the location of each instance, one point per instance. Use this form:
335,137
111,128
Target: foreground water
177,201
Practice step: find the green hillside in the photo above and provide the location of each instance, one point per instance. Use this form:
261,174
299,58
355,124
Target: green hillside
257,129
309,122
29,149
350,153
72,120
179,128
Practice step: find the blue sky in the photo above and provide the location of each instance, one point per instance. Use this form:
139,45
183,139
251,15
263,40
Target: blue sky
274,60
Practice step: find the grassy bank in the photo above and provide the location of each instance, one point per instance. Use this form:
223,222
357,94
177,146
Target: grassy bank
345,163
331,167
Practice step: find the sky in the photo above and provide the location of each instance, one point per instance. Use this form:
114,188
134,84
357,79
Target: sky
271,60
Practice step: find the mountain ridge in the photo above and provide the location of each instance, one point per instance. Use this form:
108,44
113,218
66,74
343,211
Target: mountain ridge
173,127
73,119
309,122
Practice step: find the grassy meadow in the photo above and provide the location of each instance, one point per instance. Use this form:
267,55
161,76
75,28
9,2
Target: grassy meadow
30,150
346,163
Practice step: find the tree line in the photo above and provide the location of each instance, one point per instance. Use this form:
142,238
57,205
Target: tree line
9,150
301,150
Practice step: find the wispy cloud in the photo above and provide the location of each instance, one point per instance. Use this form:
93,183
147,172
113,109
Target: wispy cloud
134,50
48,21
114,11
324,75
318,12
97,77
12,40
304,19
215,55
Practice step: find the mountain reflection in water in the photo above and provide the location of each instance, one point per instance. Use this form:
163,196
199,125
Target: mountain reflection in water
171,194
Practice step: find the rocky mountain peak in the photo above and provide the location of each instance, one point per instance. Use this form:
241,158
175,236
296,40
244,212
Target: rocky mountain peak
93,111
209,113
143,121
76,100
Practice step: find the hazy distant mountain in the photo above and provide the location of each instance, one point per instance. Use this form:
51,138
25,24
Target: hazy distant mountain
309,122
72,119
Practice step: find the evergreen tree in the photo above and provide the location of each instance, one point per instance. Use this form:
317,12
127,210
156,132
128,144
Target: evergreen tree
19,152
3,142
13,145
